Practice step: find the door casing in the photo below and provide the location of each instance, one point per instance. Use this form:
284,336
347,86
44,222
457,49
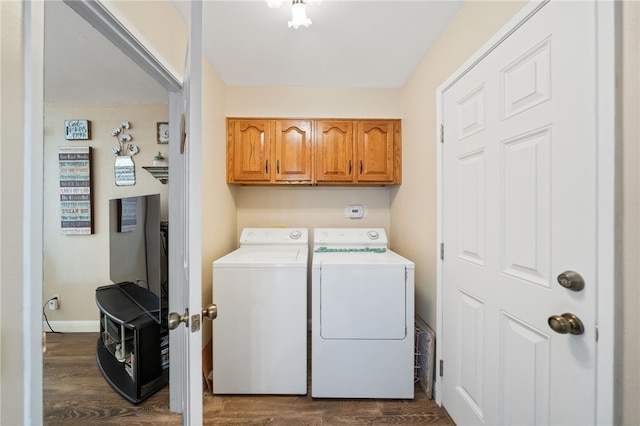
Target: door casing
98,16
607,30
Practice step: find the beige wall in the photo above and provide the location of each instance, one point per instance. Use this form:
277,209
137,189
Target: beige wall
169,47
411,214
218,202
74,265
158,26
11,199
311,206
628,356
218,205
308,102
413,204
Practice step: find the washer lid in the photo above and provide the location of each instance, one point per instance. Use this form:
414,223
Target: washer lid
274,237
265,257
350,237
356,258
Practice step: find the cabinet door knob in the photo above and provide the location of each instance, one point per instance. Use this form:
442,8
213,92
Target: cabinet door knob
349,166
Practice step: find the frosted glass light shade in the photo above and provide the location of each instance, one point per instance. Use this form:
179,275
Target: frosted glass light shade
298,15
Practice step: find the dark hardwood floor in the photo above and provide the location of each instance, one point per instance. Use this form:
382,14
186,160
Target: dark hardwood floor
75,393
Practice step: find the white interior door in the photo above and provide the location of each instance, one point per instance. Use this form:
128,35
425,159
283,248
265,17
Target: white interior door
519,209
185,241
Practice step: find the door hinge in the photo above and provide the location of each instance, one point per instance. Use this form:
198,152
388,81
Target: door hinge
441,251
442,133
441,368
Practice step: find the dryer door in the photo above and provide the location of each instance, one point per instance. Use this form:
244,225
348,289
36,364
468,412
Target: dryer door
365,301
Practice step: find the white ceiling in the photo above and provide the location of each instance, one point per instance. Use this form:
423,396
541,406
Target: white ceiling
82,66
352,43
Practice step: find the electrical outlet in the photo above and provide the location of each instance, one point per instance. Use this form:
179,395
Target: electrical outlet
54,303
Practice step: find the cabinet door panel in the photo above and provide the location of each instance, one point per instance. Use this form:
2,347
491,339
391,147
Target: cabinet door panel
334,151
375,150
293,151
250,150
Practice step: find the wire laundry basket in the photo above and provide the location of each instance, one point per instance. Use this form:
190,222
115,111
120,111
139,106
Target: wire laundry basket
424,356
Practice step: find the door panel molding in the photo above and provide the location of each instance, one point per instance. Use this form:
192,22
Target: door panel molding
606,60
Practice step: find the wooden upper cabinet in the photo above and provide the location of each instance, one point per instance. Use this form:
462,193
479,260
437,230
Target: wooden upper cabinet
249,150
293,151
322,152
358,151
334,151
375,151
263,151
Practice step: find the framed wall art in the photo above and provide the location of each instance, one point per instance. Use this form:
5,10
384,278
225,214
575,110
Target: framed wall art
163,133
77,129
76,198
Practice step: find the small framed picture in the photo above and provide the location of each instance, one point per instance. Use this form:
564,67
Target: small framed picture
77,129
163,132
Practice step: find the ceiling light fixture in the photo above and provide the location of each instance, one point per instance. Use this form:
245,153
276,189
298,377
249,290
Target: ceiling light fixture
298,11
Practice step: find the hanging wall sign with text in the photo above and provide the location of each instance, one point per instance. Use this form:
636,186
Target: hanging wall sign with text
76,210
77,129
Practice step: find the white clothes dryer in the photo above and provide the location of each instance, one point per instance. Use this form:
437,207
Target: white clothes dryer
260,334
362,316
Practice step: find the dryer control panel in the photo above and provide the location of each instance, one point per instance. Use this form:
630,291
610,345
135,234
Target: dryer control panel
350,237
274,237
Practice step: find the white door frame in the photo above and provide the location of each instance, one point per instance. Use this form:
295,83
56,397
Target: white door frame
187,235
32,211
99,17
177,341
96,14
185,396
606,141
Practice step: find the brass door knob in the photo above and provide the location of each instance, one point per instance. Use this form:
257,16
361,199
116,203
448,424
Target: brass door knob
210,312
174,319
571,280
566,323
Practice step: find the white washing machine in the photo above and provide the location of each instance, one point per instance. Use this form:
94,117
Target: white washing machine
260,334
362,316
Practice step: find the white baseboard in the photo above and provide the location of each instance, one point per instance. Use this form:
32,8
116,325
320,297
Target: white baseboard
72,326
86,326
